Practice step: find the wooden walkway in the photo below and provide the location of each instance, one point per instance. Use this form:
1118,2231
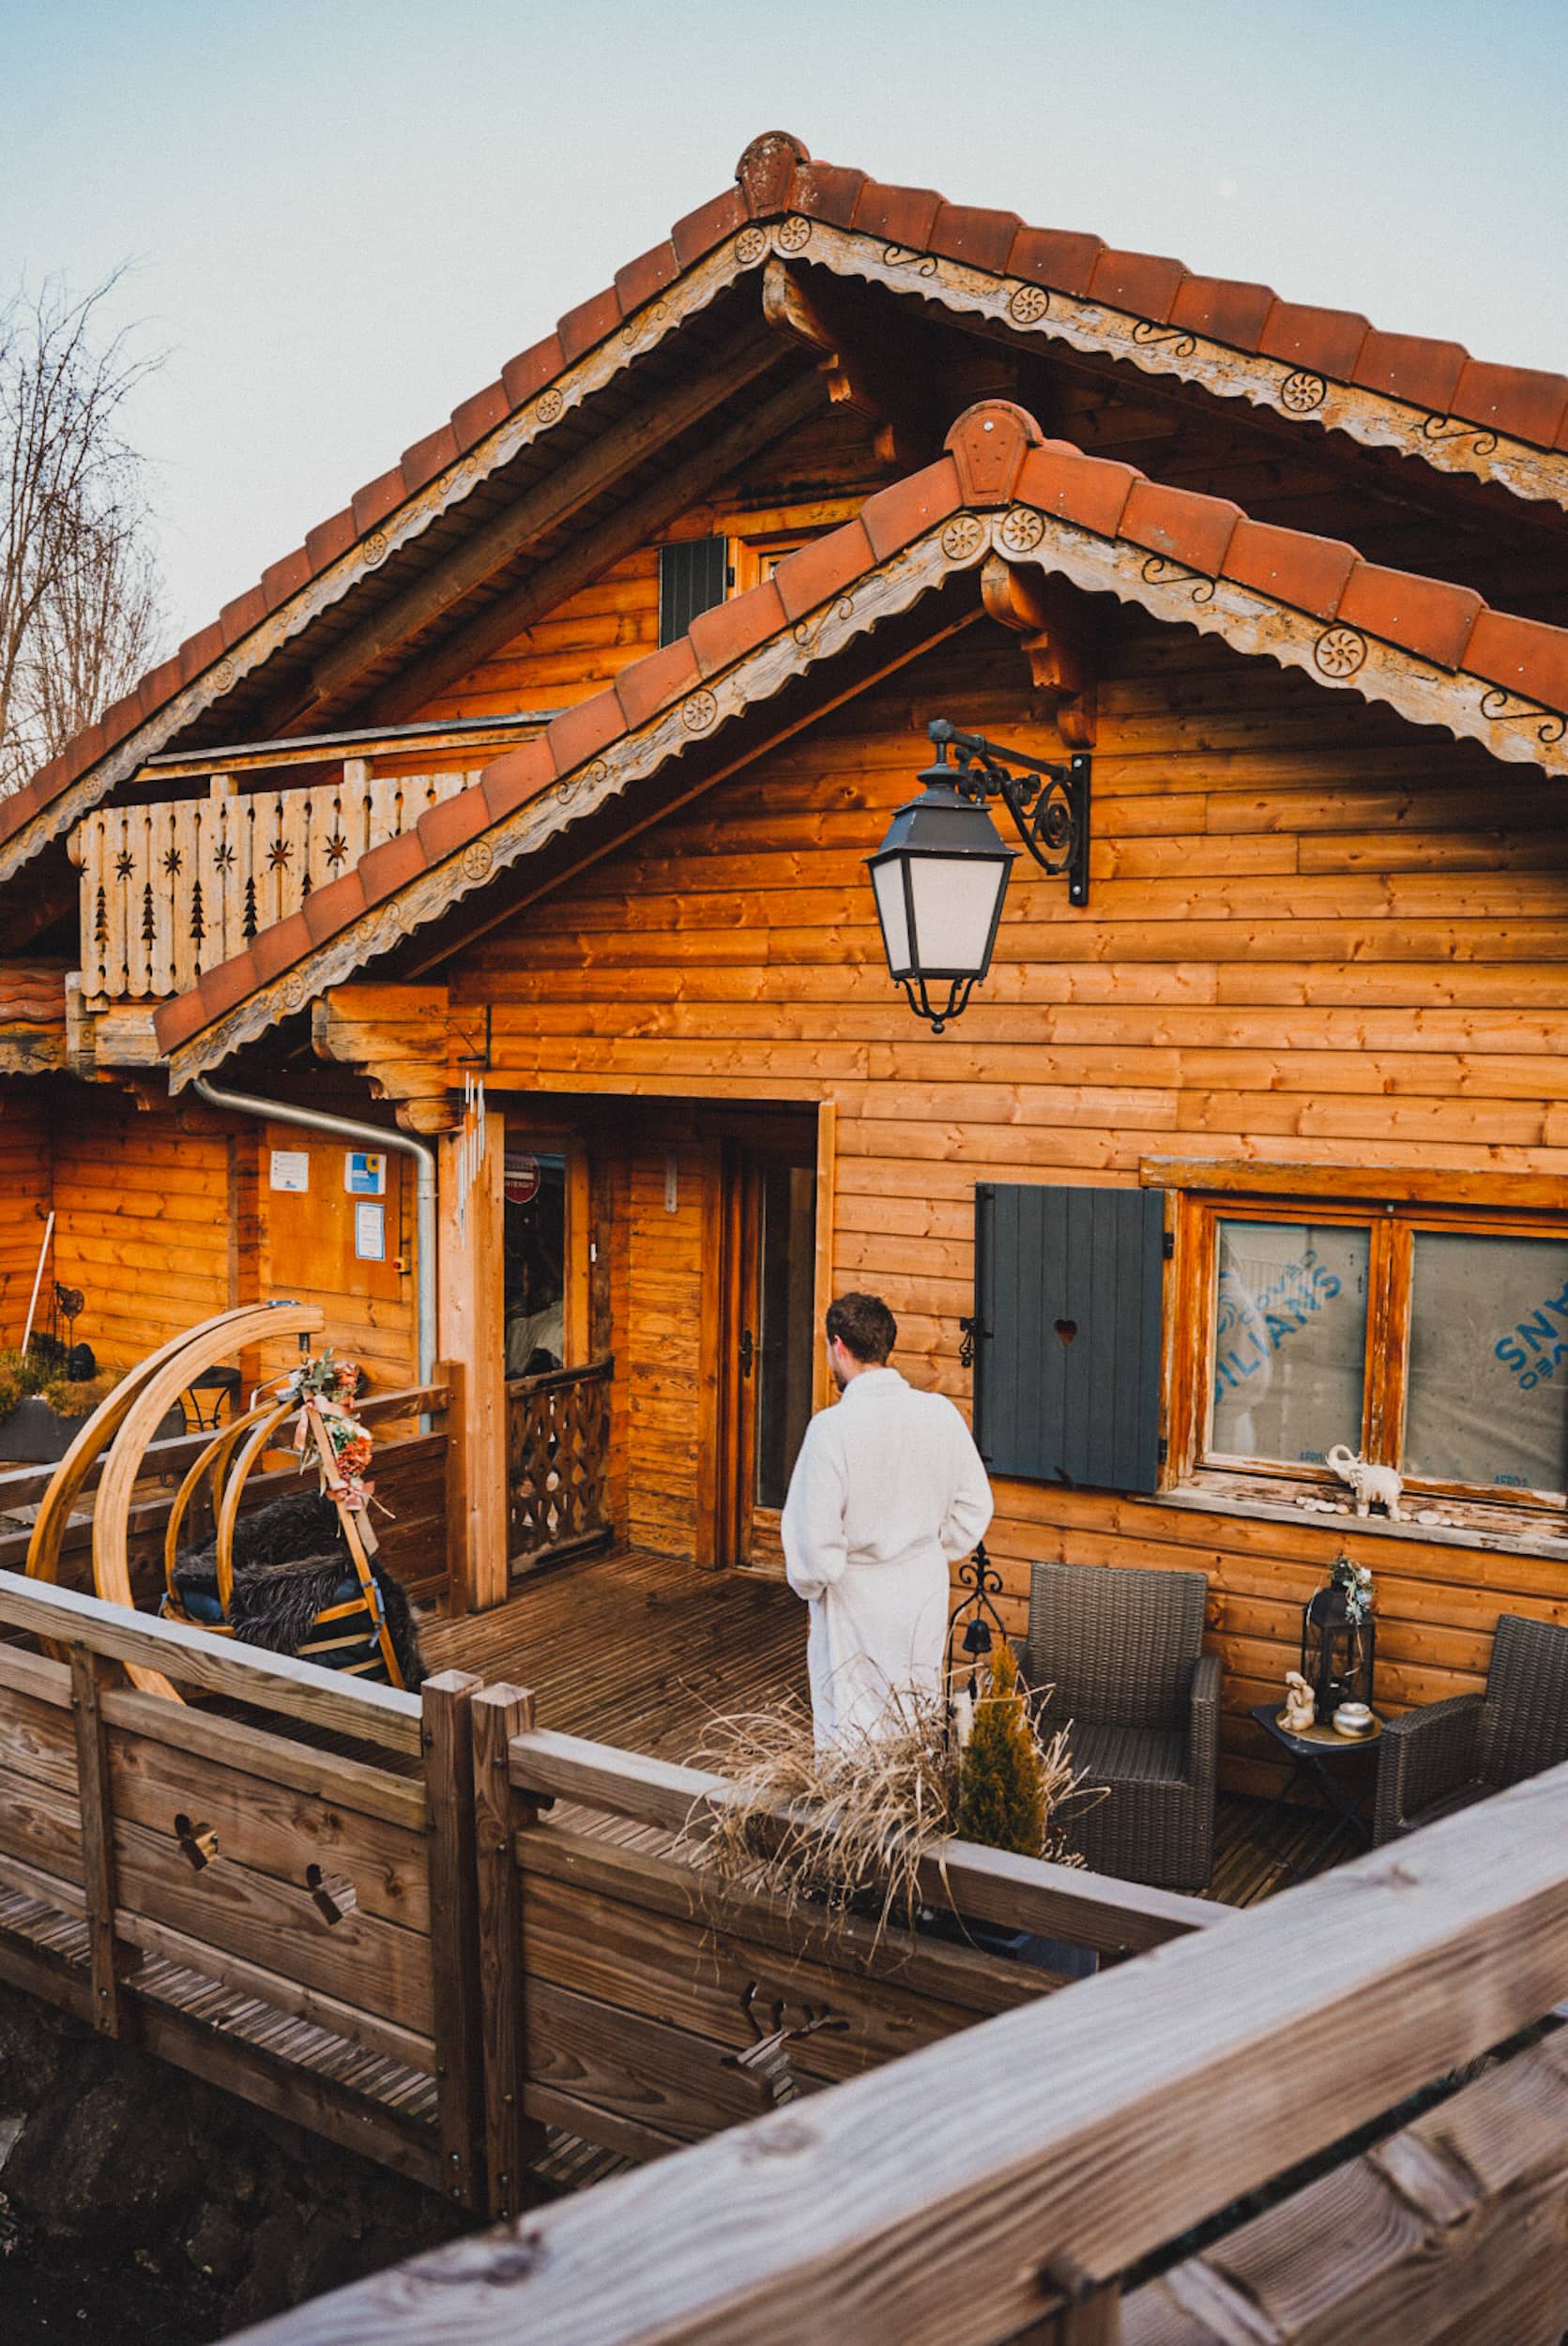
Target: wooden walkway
642,1652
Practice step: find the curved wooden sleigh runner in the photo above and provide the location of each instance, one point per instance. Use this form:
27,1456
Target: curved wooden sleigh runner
349,1633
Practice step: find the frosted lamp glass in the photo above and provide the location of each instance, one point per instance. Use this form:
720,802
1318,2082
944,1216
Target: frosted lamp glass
888,881
955,900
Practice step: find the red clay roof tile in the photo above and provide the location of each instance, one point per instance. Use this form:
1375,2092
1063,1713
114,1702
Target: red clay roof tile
1410,367
1089,490
84,748
122,716
731,629
428,456
902,215
1224,309
982,238
283,578
234,982
518,775
391,865
246,611
589,322
896,515
450,823
1517,399
767,169
158,685
276,949
827,192
1180,525
199,651
1142,281
822,568
332,907
1326,341
1310,574
532,368
583,730
656,680
473,418
377,498
329,539
709,225
1522,655
648,275
1056,257
988,444
175,1022
1426,615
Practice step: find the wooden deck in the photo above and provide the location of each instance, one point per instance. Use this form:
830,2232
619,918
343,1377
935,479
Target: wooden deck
642,1650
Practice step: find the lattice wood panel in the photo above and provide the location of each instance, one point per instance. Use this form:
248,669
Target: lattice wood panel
558,1457
170,890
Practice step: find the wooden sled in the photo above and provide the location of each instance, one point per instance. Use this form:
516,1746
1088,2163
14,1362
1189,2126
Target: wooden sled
124,1425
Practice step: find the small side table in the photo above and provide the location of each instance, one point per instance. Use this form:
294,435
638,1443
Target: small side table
1335,1767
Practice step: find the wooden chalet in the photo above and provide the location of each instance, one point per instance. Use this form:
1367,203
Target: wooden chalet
551,762
466,940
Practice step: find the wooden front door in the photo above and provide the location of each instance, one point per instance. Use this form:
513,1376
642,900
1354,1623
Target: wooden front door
770,1232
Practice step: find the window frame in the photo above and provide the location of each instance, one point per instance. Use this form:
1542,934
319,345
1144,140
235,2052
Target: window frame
1392,1225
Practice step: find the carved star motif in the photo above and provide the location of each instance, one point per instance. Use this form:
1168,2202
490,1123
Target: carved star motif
278,856
225,858
337,850
173,861
124,866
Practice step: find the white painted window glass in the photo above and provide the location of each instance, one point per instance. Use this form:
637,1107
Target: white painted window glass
1290,1339
1488,1383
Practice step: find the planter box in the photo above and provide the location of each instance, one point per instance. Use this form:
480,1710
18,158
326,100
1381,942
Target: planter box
36,1435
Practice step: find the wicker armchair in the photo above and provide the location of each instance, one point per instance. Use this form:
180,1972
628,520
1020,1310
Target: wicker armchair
1123,1652
1445,1755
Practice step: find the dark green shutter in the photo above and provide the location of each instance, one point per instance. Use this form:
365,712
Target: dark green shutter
693,577
1067,1337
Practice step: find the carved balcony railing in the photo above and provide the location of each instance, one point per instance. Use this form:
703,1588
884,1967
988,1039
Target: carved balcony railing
557,1464
172,888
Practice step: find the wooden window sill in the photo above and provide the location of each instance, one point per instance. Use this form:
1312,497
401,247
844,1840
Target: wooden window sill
1460,1523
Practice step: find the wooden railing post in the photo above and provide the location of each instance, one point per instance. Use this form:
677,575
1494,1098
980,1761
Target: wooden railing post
499,1713
453,1374
1086,2313
96,1793
454,1942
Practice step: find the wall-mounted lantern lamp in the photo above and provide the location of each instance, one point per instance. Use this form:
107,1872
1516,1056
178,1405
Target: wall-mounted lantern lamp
941,872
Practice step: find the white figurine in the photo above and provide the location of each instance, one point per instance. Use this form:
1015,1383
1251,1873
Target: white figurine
1300,1704
1374,1485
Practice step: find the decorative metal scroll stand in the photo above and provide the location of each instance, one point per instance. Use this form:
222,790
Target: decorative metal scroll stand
982,1623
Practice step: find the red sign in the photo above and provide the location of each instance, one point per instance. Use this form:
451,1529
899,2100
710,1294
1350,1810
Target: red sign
521,1181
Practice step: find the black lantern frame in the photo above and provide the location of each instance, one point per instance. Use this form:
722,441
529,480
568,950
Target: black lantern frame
1339,1650
950,822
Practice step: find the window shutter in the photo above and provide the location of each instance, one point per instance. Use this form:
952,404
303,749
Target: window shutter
693,577
1068,1332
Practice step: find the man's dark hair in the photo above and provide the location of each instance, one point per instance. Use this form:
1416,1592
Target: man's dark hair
863,1325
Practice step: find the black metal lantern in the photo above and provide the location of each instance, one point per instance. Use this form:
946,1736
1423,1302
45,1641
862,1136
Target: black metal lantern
982,1623
1339,1641
941,872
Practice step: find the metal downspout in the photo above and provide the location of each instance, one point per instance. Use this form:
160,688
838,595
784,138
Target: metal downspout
371,1137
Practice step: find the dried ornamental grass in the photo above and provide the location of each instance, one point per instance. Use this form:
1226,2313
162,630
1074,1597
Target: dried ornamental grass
849,1829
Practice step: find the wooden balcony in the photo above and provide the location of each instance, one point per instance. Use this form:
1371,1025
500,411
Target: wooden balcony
176,886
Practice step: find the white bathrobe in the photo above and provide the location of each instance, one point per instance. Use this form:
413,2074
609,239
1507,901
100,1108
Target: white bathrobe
887,1490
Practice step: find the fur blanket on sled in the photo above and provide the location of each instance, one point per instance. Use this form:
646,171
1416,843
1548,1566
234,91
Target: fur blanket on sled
288,1558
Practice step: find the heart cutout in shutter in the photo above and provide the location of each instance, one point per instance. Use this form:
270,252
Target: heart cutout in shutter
1067,1330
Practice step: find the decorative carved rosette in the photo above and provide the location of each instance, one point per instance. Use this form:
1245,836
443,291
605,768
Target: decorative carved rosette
1339,651
964,538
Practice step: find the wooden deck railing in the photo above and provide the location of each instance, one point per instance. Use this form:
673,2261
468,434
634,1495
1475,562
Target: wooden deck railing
172,889
557,1464
288,1922
998,2185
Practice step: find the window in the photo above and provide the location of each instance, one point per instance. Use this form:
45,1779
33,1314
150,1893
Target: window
1427,1342
692,576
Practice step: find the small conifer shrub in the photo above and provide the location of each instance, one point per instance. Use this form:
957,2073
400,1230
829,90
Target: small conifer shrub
1002,1790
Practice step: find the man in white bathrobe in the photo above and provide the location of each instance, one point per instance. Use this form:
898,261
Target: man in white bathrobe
887,1491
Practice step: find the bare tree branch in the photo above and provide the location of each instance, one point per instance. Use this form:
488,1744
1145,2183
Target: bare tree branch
79,609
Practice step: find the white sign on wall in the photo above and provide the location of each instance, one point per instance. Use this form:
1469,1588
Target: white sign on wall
291,1169
370,1231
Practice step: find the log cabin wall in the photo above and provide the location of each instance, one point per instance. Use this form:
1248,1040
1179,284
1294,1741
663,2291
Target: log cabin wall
1315,937
25,1189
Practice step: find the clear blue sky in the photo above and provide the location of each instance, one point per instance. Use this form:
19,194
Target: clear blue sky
346,216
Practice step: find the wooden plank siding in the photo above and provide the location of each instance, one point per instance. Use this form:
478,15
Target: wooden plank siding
25,1187
1315,937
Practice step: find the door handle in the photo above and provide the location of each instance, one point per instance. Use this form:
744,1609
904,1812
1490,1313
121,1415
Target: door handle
748,1351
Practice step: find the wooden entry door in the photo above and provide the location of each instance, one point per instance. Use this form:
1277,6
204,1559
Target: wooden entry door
769,1339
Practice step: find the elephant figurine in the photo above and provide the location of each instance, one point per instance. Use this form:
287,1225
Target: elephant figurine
1373,1486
